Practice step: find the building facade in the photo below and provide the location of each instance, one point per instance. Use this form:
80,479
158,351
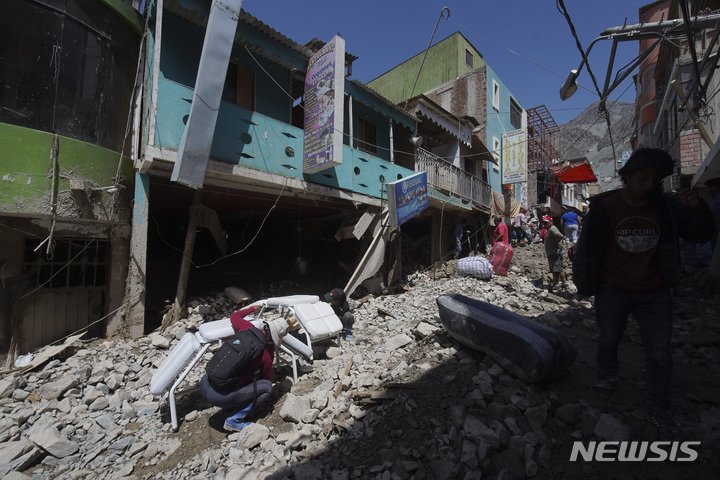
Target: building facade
258,212
68,74
460,81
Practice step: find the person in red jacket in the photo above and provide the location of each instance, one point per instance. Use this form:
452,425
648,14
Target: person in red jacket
500,234
249,390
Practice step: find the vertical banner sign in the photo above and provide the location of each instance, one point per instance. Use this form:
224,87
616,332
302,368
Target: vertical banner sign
407,198
324,107
514,157
194,151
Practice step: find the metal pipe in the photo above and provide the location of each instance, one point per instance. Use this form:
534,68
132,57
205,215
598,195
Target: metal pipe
350,121
611,64
392,149
699,22
663,104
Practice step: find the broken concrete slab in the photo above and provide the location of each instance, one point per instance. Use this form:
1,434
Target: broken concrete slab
50,440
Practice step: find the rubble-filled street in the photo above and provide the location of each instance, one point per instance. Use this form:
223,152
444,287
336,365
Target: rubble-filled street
402,400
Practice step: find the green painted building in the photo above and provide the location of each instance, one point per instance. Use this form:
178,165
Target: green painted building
446,61
457,78
68,73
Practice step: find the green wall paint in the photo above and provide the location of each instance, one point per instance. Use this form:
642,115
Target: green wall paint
126,12
445,62
25,168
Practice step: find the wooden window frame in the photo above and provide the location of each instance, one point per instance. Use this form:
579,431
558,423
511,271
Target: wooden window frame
365,143
244,88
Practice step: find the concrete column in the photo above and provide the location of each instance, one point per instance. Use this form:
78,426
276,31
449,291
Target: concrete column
532,189
118,275
133,324
194,212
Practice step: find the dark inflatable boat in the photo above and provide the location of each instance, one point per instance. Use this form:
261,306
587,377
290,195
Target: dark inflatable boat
525,348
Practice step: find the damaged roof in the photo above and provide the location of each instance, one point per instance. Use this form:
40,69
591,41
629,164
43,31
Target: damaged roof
253,34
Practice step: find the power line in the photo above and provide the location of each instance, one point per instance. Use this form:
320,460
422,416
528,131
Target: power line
598,117
547,69
252,239
560,4
427,49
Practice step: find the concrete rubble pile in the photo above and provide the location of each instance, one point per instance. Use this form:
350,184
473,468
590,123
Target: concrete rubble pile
402,400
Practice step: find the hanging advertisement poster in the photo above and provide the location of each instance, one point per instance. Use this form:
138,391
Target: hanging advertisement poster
514,157
407,197
324,107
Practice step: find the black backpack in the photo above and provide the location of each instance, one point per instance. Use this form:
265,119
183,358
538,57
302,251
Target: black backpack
235,356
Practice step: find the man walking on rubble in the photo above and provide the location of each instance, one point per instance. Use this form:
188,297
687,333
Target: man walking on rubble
570,225
628,257
250,386
519,225
554,252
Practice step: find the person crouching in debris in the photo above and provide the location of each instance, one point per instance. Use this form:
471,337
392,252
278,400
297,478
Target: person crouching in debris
336,299
628,257
554,251
239,376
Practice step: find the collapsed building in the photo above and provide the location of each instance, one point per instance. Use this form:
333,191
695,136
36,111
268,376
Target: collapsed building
117,229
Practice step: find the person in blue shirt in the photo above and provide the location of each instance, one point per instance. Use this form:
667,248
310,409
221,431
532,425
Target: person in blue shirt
571,226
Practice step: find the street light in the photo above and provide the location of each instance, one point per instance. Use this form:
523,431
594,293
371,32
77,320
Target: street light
570,86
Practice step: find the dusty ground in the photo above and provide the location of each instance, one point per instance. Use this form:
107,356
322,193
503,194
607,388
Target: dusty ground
430,400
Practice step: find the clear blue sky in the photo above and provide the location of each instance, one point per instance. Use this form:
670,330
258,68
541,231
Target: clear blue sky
385,33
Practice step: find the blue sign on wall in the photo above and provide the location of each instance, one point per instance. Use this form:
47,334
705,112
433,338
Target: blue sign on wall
407,197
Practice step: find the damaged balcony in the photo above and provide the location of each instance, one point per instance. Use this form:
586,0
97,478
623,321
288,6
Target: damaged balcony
259,142
453,180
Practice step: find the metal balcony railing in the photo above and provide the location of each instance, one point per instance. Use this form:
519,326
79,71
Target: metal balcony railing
451,179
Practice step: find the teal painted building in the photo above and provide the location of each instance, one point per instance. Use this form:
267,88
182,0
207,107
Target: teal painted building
460,81
255,164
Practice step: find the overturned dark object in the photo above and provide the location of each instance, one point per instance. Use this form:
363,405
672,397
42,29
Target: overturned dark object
524,347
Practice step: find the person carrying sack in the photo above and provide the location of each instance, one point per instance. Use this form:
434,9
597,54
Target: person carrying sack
239,376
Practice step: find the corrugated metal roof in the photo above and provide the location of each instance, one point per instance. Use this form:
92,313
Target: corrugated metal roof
197,12
390,104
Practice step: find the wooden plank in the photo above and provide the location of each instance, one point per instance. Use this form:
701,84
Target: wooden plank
345,373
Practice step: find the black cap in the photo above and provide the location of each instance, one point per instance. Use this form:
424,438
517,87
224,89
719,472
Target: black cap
335,294
655,158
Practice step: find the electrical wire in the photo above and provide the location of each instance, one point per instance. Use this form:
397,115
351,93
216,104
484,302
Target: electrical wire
427,49
20,230
116,179
61,269
597,118
691,44
560,5
270,76
547,69
252,239
380,147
